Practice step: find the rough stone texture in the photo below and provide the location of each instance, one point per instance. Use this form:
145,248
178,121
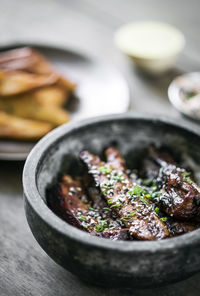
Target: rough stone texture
102,261
86,25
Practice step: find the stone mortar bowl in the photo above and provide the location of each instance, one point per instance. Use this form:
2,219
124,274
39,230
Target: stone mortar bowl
101,261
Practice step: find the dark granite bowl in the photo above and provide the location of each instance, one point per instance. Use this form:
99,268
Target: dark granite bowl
97,260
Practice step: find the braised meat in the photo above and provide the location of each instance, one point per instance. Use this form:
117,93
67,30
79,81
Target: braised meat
179,195
127,200
115,158
180,227
68,200
156,201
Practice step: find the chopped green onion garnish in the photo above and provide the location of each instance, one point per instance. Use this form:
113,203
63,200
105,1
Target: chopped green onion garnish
164,219
104,192
110,201
154,184
104,170
143,200
186,177
107,185
101,226
84,226
92,209
118,178
137,190
115,206
148,196
186,174
81,217
127,218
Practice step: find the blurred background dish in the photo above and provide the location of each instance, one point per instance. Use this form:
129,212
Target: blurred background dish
184,94
100,89
32,95
152,46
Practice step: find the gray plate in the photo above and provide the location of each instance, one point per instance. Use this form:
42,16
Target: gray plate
101,90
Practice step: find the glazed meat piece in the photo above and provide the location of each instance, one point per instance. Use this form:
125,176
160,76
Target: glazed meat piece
99,203
114,157
151,164
179,195
180,227
126,199
176,227
94,194
68,201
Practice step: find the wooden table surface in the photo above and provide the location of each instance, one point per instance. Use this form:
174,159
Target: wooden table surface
86,25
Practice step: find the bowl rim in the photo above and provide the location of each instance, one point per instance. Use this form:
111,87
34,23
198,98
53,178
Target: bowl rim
36,201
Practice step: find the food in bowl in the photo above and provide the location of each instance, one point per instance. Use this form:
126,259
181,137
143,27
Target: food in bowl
158,200
106,262
32,94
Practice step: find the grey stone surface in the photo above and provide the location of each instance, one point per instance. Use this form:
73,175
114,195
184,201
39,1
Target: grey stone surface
87,25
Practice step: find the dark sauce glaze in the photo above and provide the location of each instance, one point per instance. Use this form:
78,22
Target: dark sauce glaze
68,201
112,202
179,195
